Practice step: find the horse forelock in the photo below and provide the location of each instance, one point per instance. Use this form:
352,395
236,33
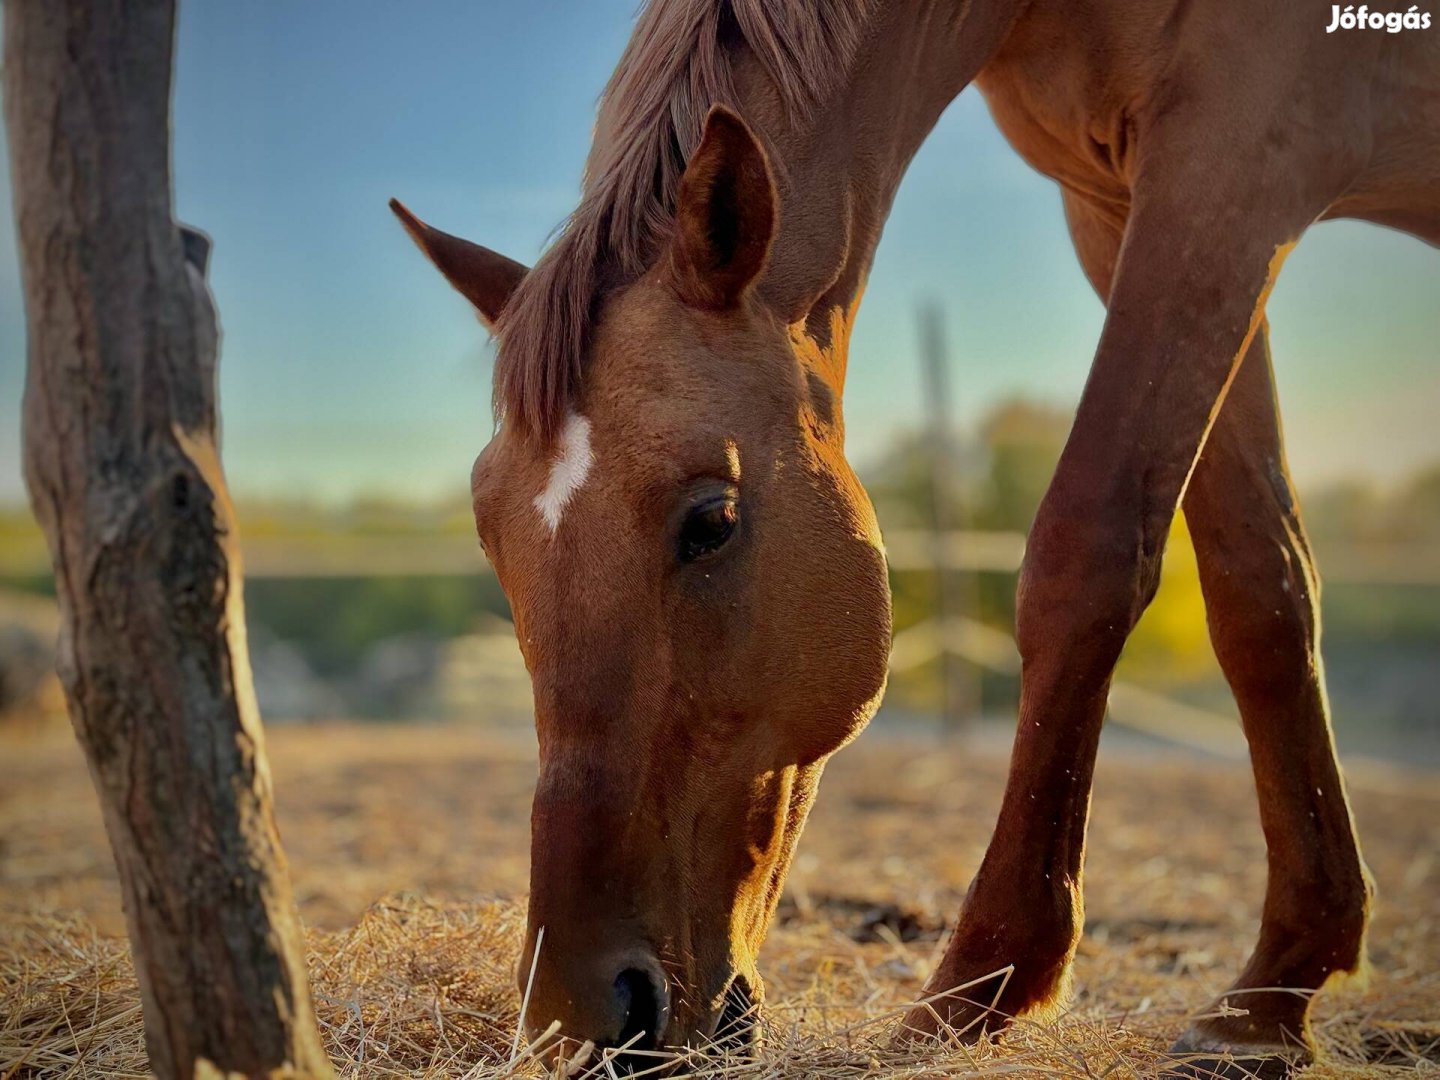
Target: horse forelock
677,65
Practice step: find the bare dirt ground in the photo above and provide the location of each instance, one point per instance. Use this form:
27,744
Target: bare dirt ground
408,848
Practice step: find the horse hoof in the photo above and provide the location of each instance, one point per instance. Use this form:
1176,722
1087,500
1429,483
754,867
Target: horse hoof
948,1023
918,1027
1203,1057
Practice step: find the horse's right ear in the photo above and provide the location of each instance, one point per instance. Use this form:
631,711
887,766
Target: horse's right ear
484,277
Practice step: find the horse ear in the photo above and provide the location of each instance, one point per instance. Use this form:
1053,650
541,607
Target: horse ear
484,277
725,214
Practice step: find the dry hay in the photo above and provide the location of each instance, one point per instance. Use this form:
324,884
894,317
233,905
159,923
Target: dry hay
417,988
424,985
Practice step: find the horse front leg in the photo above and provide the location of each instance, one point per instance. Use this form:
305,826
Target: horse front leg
1262,600
1200,253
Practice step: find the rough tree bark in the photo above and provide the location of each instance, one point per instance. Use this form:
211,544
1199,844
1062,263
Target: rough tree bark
121,462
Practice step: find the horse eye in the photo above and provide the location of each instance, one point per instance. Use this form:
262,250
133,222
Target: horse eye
707,528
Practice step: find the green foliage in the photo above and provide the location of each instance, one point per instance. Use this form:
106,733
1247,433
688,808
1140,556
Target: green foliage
335,620
1171,643
1359,614
22,546
1354,512
1022,443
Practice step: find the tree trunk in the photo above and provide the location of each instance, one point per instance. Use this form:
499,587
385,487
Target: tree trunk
124,477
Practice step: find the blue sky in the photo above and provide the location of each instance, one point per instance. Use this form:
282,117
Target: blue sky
349,367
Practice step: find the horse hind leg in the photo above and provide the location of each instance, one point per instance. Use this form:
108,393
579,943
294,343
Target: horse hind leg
1261,597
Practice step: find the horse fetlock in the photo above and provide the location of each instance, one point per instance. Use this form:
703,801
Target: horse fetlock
994,971
1314,927
971,998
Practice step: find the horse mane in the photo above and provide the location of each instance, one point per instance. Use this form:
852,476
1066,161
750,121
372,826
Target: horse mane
678,63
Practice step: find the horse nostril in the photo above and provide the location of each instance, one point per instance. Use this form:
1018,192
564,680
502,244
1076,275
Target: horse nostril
640,1005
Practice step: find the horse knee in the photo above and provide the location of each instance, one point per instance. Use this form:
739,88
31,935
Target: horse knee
1084,584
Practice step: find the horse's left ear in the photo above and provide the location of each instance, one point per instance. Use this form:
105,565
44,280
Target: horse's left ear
725,214
484,277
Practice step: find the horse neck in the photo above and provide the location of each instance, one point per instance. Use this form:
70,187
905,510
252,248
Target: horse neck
837,172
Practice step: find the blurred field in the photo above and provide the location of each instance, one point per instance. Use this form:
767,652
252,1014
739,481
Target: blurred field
408,847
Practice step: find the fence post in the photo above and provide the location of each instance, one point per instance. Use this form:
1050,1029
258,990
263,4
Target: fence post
959,681
124,477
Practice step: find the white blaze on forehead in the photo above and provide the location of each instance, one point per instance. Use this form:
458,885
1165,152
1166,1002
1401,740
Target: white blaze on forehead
568,470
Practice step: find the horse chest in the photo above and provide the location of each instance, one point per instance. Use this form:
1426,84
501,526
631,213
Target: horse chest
1085,145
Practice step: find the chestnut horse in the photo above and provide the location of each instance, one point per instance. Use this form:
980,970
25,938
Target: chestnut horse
697,578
